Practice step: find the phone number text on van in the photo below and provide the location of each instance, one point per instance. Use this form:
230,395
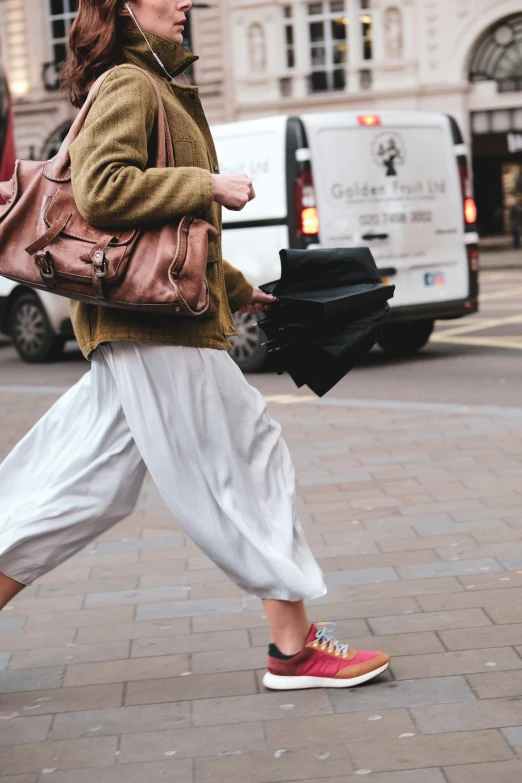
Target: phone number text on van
384,218
390,190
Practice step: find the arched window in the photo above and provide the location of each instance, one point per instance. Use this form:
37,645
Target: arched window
498,55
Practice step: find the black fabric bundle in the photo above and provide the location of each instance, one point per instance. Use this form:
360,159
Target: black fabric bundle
330,305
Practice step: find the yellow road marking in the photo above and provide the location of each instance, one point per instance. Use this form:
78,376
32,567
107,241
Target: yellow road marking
287,399
512,343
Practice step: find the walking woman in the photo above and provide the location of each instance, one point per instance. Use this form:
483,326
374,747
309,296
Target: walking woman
163,394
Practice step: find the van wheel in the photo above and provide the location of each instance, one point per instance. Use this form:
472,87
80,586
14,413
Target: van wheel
405,339
31,332
248,350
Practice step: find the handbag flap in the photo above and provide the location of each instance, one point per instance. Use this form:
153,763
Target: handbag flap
77,227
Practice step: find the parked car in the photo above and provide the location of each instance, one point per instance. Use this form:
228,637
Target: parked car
396,181
37,321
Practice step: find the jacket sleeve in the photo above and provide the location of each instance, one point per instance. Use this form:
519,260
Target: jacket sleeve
239,290
111,184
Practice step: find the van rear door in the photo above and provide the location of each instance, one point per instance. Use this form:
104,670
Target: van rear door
391,182
253,237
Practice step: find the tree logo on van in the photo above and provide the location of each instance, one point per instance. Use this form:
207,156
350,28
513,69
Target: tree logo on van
388,151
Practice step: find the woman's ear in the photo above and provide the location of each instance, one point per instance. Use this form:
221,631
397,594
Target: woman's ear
124,10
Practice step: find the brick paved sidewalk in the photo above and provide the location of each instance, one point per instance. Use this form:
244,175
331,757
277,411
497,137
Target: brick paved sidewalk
110,672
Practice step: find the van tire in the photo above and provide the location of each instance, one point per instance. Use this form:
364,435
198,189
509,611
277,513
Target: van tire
405,338
248,350
31,332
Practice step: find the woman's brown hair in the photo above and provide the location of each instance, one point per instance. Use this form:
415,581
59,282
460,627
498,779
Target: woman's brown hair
95,45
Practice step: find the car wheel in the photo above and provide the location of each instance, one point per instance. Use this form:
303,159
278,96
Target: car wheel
405,339
31,332
248,350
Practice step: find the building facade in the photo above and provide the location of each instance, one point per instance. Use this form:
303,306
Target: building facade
462,57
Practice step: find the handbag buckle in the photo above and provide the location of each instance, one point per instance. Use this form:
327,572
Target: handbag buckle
99,264
44,264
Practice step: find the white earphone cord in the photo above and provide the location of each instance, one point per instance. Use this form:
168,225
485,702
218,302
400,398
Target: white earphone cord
156,57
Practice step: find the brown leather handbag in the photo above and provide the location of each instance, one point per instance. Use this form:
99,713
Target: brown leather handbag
45,243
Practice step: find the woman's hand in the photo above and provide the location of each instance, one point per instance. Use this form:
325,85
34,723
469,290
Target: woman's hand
233,191
258,302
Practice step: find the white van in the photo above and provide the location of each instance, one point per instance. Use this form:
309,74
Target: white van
37,321
396,181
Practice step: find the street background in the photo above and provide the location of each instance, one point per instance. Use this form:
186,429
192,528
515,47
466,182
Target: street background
138,660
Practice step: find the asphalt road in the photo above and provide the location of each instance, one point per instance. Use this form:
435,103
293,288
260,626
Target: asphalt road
473,361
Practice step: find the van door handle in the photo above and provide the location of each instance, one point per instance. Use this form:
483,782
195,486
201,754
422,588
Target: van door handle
375,236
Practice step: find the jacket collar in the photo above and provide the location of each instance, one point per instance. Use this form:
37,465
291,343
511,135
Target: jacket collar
174,57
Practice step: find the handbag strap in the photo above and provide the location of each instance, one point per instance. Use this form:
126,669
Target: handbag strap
58,168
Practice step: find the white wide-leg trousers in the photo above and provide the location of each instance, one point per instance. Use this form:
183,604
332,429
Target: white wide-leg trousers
217,458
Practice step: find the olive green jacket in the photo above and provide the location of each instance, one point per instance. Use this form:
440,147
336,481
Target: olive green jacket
114,188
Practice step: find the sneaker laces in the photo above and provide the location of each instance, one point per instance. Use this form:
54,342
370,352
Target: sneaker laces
325,635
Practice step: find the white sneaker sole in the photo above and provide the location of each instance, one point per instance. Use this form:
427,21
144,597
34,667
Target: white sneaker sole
276,682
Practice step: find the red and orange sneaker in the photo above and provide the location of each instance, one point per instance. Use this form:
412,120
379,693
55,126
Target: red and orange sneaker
322,663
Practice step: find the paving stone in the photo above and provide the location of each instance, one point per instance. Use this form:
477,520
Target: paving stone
13,624
138,596
81,587
140,544
413,587
506,613
460,567
145,630
121,720
17,731
124,671
315,763
80,619
399,644
261,707
405,776
30,778
36,639
429,621
497,684
79,653
435,750
200,642
120,570
360,609
391,695
65,754
63,699
501,771
298,731
514,733
475,638
493,600
179,771
186,743
361,576
188,609
39,678
461,662
487,714
189,687
5,657
25,605
234,660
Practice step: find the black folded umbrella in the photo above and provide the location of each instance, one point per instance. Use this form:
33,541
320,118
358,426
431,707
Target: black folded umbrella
330,306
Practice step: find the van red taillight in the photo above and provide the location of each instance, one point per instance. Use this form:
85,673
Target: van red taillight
306,216
468,202
368,119
470,210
